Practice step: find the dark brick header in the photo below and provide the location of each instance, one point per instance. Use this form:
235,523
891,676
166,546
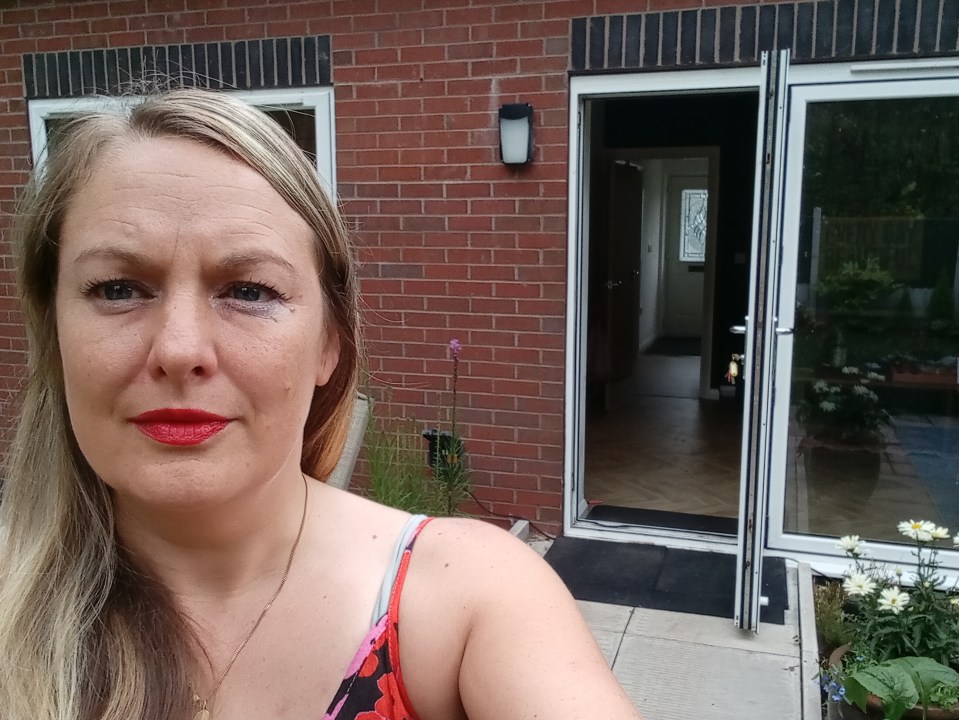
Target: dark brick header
736,35
241,65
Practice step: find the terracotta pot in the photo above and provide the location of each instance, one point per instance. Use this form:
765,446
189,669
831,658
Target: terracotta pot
845,711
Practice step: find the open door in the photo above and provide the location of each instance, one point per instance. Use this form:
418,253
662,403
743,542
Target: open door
760,330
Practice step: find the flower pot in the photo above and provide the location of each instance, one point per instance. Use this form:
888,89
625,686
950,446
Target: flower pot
846,711
833,468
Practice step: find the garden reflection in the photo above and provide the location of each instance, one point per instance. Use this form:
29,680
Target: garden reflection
874,429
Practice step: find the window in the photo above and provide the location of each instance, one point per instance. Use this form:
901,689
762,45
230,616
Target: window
692,226
307,114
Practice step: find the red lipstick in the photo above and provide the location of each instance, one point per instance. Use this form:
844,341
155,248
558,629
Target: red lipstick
179,426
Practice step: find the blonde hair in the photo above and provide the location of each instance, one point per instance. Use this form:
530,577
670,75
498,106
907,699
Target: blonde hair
84,633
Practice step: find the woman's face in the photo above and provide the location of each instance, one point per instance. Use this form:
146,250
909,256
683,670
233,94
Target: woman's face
192,325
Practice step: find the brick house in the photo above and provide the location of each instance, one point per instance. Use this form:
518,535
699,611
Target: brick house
664,192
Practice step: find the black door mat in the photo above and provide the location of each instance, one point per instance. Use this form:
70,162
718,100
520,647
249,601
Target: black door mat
658,578
664,518
674,346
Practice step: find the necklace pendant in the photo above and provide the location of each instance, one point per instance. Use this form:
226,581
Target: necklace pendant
203,714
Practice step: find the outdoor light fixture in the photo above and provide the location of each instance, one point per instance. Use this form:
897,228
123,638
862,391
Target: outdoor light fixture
516,133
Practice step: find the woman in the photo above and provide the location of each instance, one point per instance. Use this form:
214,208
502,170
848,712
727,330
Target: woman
190,301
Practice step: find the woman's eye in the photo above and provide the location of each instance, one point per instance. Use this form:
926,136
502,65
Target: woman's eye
112,290
253,292
117,291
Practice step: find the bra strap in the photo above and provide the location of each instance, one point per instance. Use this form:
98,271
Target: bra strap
402,543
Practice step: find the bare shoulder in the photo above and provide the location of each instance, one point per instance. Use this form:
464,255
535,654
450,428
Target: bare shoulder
512,633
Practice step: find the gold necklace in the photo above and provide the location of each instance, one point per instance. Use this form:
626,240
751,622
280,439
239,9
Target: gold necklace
203,708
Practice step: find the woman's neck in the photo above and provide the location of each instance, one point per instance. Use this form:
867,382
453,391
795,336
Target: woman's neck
222,550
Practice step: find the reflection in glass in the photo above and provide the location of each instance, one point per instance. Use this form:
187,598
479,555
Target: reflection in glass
874,429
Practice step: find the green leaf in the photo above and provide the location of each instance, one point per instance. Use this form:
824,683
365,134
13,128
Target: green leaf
891,683
926,674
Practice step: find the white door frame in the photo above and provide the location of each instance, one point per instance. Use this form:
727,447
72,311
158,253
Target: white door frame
761,326
582,90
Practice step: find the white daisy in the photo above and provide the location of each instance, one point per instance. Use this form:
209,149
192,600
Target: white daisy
920,530
939,533
875,376
859,584
827,405
893,599
821,386
850,544
850,370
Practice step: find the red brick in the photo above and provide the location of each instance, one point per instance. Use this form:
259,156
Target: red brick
210,33
124,8
13,17
146,22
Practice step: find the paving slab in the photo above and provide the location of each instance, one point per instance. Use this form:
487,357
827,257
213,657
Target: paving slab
677,666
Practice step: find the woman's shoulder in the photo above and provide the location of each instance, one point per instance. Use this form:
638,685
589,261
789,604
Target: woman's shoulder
511,635
476,566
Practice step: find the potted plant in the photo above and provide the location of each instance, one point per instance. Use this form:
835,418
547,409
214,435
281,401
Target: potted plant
903,658
843,419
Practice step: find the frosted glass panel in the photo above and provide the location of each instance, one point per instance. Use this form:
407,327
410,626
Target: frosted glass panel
692,246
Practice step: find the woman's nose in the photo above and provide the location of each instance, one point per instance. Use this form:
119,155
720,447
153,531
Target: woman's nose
182,346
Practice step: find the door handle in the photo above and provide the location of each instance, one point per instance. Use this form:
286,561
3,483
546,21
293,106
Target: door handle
610,284
784,331
737,329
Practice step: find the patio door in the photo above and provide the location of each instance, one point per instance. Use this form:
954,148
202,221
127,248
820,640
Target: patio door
761,329
866,420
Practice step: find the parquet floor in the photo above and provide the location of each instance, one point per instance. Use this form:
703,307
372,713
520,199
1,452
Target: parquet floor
656,446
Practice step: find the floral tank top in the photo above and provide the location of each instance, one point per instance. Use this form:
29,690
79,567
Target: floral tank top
373,687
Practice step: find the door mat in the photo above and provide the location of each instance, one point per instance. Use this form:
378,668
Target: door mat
664,518
674,346
658,578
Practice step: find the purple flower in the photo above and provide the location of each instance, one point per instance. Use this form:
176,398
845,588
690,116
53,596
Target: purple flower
455,348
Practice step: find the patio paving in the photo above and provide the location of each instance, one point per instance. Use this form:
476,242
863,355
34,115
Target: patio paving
676,666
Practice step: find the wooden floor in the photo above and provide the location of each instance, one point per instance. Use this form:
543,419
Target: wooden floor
656,446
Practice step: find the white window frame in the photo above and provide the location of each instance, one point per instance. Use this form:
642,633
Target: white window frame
320,100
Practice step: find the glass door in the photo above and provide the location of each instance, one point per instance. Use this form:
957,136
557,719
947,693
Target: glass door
760,327
866,422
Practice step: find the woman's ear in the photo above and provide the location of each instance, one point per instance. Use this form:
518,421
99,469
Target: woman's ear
329,356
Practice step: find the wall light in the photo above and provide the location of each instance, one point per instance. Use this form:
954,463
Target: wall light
516,133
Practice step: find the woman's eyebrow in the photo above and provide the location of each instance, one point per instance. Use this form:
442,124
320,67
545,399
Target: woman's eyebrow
117,254
231,262
247,258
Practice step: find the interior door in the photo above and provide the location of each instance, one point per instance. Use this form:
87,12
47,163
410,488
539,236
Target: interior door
684,276
760,331
622,267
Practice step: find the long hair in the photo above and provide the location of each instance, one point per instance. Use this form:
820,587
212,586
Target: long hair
84,633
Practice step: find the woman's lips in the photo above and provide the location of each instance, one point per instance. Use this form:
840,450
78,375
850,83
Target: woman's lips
179,426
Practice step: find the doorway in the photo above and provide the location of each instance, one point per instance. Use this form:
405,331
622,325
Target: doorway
670,206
